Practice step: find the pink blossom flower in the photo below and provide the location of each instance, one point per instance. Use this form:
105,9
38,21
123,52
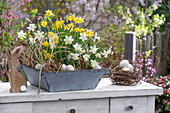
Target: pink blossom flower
20,15
1,75
40,17
149,60
165,91
149,68
24,9
103,22
140,60
149,63
16,17
165,102
153,70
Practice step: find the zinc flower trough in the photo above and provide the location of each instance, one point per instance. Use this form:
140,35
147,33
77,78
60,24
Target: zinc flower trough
65,81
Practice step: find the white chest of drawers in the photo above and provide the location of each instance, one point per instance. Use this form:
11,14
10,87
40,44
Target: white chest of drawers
106,98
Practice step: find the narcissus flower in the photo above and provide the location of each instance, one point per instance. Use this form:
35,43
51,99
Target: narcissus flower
56,42
96,37
77,29
44,23
68,40
66,27
81,20
31,27
83,36
21,34
86,57
74,56
93,63
52,44
49,12
72,17
77,47
59,23
46,44
90,33
39,35
98,55
93,49
105,54
51,35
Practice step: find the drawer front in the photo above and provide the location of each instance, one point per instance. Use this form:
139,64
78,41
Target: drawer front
16,108
129,105
79,106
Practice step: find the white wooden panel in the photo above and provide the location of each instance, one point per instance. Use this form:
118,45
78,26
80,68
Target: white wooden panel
16,108
119,105
81,106
105,89
151,104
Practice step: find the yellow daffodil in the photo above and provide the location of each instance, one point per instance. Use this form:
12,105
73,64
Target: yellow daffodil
44,23
50,34
91,34
59,23
76,20
56,37
83,30
46,44
77,29
81,20
72,17
56,42
66,27
71,25
49,12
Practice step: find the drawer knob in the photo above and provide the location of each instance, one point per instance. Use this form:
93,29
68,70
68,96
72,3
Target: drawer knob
72,111
129,108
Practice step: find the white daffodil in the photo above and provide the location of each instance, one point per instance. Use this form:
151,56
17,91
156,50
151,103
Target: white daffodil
105,54
32,40
93,49
86,57
31,27
93,63
96,37
74,56
52,44
83,36
68,57
110,50
39,35
98,55
82,51
68,40
21,34
77,47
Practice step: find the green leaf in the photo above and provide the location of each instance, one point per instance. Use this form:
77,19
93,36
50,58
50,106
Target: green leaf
22,24
148,53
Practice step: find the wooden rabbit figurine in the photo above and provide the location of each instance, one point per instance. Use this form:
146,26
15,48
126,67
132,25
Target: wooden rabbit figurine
17,81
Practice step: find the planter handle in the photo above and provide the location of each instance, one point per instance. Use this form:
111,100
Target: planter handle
72,111
20,68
